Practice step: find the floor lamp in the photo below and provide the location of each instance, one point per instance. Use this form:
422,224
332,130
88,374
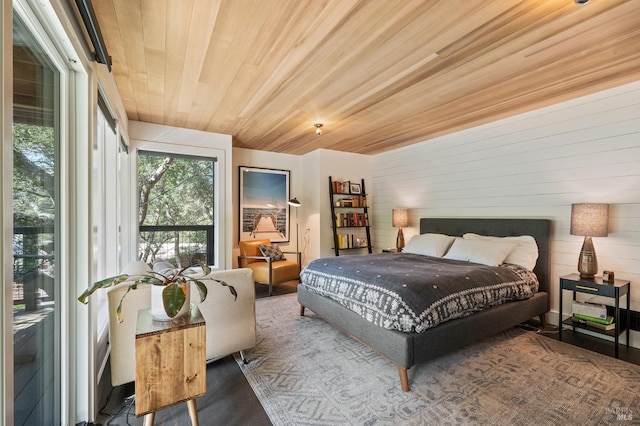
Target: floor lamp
295,203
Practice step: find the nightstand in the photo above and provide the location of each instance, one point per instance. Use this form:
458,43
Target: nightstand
596,287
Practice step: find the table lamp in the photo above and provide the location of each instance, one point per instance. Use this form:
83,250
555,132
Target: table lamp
589,220
400,219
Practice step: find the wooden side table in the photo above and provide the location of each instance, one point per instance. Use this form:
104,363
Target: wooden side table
170,363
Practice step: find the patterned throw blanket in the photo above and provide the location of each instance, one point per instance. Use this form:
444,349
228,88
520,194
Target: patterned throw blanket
413,293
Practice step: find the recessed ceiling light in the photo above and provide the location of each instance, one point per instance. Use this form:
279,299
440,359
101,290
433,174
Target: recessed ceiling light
581,2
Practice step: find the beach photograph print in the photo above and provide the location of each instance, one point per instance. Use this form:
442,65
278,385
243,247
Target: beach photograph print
264,212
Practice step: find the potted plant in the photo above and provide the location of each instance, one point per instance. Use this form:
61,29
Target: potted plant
175,282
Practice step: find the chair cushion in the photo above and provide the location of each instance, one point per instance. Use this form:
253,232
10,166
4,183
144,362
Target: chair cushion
272,251
284,270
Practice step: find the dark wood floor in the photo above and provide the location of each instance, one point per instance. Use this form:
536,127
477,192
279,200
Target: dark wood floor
595,344
230,401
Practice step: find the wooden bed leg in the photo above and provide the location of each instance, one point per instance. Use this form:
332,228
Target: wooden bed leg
404,378
543,320
301,310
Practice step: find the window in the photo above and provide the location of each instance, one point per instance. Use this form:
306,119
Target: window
106,215
176,208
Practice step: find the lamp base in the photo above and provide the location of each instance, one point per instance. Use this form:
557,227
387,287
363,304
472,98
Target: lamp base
400,240
587,262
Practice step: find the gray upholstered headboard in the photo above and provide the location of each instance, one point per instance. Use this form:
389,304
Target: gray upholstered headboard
540,229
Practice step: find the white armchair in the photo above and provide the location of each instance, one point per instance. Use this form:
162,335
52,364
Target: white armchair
230,326
122,336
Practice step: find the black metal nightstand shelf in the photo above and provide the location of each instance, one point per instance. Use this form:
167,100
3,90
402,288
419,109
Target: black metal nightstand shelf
596,287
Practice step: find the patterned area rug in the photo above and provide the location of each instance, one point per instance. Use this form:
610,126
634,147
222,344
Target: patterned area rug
306,372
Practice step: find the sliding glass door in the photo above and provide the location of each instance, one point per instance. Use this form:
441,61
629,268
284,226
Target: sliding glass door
36,283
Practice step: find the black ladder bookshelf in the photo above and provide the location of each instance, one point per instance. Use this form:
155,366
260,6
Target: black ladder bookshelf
350,216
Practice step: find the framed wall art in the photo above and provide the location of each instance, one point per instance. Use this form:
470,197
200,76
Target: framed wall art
264,212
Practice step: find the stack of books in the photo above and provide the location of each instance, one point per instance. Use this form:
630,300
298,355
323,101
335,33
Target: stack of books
596,322
344,241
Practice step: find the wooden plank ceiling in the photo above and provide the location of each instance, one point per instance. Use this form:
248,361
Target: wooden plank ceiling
379,74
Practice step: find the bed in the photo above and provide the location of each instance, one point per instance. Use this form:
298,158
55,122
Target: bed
408,348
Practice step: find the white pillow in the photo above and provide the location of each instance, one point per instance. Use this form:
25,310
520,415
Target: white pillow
486,252
429,244
525,254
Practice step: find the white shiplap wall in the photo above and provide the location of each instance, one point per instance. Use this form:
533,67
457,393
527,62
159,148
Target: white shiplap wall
533,165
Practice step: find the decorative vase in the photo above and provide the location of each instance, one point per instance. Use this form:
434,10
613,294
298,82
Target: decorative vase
157,307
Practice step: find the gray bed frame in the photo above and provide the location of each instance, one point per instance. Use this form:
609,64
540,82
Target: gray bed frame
408,349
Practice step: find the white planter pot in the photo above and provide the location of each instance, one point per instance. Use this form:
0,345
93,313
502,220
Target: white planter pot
157,307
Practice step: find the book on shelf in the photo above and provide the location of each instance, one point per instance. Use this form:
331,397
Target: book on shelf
356,201
351,219
343,241
605,327
596,310
604,321
341,187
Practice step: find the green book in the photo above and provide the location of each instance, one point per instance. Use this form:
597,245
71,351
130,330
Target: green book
605,327
605,321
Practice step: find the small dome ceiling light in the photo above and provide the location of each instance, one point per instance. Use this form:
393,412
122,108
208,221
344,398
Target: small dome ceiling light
318,127
581,2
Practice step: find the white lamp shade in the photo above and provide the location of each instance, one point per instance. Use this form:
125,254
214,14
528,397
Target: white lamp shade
400,218
590,220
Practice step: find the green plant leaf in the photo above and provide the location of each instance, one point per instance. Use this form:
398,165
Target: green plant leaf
173,298
232,289
205,269
148,279
107,282
119,307
202,289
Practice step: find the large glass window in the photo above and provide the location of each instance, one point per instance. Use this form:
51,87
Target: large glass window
176,208
36,284
106,207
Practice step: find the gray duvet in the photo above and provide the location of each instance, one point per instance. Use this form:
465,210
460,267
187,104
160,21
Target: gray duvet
413,293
